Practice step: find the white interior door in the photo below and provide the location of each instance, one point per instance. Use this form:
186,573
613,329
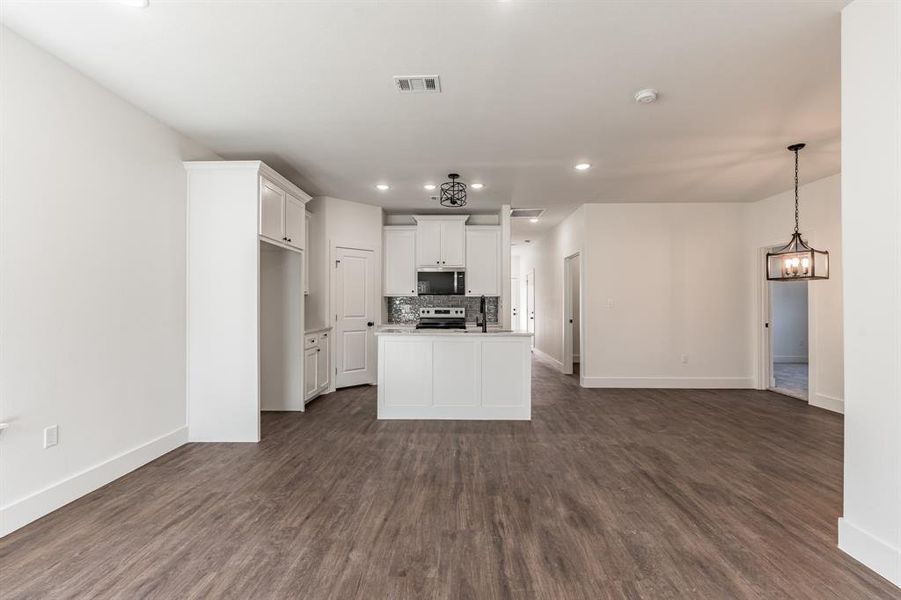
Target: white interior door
530,304
570,310
354,317
514,302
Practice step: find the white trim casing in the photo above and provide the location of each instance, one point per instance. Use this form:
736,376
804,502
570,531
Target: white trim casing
724,383
875,553
30,508
548,358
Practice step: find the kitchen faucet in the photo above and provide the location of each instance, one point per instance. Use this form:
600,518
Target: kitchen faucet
483,311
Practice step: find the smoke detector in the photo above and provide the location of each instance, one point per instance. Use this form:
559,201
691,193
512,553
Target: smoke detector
414,84
646,96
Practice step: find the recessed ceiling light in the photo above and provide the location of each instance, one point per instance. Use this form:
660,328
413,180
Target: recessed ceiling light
477,186
383,187
646,96
135,3
429,186
582,167
533,220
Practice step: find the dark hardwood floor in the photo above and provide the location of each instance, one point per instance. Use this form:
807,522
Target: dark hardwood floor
605,494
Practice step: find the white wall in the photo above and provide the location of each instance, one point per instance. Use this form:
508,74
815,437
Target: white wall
770,222
665,281
690,300
870,529
348,224
92,298
789,322
338,222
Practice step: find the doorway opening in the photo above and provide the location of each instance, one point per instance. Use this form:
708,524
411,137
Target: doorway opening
572,314
789,339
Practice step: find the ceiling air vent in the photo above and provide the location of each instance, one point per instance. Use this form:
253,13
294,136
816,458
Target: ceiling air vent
526,213
410,84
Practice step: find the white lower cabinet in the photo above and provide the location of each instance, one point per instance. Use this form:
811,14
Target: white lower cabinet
310,371
322,368
454,376
316,370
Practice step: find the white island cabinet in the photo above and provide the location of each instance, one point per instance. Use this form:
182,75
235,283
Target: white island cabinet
427,374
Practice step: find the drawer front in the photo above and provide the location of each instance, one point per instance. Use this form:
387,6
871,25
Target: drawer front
311,341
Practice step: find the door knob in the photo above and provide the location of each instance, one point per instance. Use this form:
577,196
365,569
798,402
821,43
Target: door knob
370,324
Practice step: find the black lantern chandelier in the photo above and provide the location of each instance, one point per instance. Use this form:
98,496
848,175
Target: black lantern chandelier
453,193
797,260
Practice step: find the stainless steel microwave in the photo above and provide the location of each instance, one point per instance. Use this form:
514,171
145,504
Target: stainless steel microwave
441,283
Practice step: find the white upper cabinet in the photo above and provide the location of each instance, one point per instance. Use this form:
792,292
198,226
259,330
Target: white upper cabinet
441,241
282,212
483,261
295,229
428,250
400,261
272,211
453,243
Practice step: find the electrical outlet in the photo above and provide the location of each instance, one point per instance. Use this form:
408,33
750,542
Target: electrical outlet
610,303
684,359
51,436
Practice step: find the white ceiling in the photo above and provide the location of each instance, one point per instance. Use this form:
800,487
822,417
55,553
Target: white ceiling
529,89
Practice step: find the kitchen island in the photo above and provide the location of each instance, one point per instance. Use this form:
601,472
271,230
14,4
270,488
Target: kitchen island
462,374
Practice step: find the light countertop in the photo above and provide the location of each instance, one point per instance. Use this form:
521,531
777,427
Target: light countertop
310,330
409,330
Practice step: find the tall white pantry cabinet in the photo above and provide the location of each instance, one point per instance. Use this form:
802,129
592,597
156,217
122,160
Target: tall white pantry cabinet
245,283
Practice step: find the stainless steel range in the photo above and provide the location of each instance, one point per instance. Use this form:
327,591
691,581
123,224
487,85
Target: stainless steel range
442,318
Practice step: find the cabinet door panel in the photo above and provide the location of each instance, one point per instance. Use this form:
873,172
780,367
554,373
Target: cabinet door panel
272,211
453,244
295,229
400,262
482,261
310,371
323,368
428,243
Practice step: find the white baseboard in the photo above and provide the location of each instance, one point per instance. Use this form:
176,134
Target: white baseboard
790,359
33,507
729,383
827,402
873,552
545,356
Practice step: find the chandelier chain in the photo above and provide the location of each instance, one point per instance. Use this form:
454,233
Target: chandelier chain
796,190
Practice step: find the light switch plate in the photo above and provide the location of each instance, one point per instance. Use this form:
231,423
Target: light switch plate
51,436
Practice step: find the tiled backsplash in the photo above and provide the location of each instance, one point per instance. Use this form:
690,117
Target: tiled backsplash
406,309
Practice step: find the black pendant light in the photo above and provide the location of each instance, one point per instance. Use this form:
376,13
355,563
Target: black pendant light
453,193
797,260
